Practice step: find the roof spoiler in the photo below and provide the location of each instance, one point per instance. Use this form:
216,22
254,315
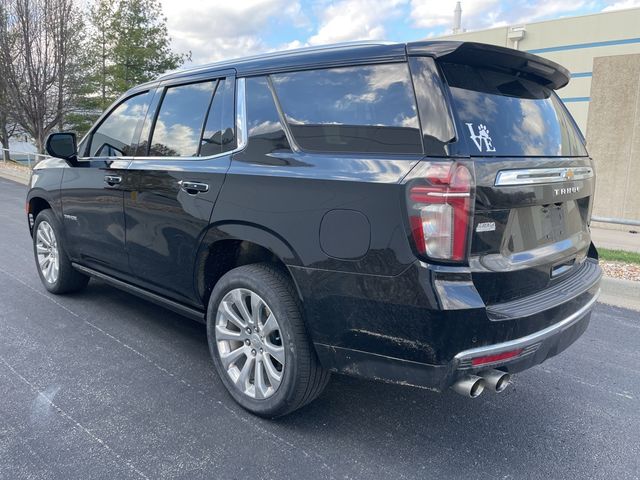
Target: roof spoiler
538,69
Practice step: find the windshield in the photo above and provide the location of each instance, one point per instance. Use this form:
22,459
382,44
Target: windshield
504,115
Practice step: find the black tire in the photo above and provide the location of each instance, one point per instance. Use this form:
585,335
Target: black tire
68,279
303,378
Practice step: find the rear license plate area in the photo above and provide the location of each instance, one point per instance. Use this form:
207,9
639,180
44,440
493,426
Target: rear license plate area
540,225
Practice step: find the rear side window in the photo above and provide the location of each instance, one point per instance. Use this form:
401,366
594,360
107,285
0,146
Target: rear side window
266,134
503,115
118,131
367,109
178,126
218,135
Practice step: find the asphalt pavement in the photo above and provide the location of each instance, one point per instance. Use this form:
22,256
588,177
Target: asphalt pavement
101,384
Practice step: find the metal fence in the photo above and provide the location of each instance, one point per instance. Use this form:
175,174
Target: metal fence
619,221
28,159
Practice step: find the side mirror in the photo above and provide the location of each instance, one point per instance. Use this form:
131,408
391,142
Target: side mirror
62,145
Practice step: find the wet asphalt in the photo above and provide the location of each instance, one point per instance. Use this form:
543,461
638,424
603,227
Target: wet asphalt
101,384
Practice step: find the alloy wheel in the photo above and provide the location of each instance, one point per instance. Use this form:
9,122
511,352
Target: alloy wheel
249,343
47,252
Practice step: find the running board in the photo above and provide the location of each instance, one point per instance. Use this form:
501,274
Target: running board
142,293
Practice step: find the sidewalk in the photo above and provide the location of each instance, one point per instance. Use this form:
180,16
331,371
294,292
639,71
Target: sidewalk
616,239
17,173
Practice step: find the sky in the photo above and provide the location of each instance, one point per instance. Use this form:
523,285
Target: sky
221,29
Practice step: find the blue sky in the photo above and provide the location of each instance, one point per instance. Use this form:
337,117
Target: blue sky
214,30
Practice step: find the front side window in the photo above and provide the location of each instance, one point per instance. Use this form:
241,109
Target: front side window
501,114
366,109
179,123
116,135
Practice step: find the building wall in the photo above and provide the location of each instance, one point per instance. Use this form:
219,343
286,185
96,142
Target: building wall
613,136
572,42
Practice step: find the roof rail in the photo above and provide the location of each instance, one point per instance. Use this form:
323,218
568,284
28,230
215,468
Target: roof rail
276,54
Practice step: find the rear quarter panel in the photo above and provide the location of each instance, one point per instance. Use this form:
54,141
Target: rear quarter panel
289,194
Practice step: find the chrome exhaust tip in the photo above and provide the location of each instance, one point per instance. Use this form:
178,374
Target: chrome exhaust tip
470,386
496,380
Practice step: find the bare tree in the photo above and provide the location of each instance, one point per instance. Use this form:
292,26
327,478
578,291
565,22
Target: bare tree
37,47
7,127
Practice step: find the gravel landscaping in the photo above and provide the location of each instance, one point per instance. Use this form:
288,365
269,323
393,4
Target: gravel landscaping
625,271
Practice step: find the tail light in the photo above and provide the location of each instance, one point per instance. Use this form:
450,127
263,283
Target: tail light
439,203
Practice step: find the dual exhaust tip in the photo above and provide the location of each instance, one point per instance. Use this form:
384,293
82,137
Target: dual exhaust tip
473,385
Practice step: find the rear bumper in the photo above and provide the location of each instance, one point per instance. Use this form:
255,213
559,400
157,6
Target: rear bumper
536,348
547,340
397,329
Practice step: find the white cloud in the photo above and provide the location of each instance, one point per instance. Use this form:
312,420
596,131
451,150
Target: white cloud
621,5
354,20
220,30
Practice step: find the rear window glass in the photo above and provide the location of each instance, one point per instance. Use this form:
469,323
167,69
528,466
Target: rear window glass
351,109
503,115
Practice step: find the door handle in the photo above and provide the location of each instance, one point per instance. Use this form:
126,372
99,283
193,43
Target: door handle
193,188
113,179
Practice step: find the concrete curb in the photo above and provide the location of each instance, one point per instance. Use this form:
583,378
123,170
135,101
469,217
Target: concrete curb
620,293
15,178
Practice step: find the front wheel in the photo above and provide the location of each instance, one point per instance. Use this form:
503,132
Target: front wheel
259,344
54,267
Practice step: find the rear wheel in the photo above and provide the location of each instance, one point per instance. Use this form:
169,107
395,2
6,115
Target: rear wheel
54,267
259,344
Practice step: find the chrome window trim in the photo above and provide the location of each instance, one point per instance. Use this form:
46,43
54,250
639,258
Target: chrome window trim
241,116
534,176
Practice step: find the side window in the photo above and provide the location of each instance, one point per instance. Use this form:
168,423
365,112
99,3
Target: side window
351,109
219,131
117,133
263,123
179,123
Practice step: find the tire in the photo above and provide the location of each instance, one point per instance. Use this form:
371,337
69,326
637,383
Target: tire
257,388
57,275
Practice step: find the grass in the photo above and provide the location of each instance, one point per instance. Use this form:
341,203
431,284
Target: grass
619,256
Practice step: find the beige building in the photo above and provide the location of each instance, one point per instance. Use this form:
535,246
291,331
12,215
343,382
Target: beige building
602,52
572,42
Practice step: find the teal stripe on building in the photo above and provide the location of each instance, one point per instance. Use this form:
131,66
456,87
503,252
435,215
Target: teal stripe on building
576,46
575,99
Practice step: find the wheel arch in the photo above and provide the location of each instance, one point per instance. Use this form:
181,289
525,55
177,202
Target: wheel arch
225,246
36,203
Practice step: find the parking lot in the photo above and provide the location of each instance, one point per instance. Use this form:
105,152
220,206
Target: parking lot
105,385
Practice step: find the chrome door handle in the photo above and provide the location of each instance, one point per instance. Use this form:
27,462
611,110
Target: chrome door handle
194,187
113,179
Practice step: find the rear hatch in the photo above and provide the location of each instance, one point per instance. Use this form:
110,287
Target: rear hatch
534,181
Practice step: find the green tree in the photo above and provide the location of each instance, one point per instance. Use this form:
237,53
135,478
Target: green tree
127,43
97,46
141,47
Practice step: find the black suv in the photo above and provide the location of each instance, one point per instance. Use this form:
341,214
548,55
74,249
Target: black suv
412,213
